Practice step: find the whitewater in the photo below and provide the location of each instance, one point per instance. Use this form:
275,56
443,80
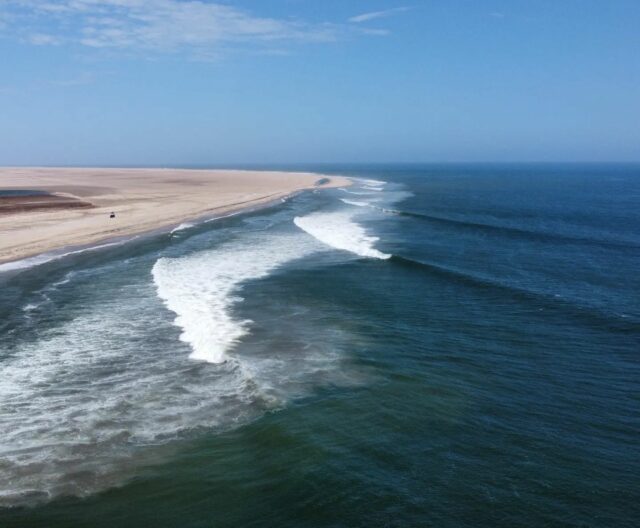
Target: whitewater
202,288
340,230
121,350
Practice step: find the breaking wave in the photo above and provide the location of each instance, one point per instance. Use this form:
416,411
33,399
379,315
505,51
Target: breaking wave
354,202
81,406
341,231
202,288
107,391
374,183
356,192
105,388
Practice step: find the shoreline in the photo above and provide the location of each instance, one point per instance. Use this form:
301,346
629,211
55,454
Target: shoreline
118,240
155,205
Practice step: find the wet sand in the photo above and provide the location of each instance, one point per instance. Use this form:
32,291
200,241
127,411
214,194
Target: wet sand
77,203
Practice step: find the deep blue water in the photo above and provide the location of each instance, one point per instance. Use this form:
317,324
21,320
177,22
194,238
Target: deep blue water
453,346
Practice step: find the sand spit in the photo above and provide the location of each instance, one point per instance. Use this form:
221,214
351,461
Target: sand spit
74,206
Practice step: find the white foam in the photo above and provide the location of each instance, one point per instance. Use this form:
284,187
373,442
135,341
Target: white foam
202,288
375,183
43,258
370,188
77,401
181,227
220,217
354,202
355,192
104,387
339,230
102,392
42,296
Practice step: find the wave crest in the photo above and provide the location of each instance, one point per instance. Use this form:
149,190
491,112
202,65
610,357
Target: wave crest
339,230
354,202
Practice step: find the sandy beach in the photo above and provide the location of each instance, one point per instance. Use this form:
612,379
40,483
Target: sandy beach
73,206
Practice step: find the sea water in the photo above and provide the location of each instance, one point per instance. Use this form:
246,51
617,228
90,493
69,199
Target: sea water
431,346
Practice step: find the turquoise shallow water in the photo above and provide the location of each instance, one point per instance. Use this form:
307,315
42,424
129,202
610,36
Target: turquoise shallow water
444,346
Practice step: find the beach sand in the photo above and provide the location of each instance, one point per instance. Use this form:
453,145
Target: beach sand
142,200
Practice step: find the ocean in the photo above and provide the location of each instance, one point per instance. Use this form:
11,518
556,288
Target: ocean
435,345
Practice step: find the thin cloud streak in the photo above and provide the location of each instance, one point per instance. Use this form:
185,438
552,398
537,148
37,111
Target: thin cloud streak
373,15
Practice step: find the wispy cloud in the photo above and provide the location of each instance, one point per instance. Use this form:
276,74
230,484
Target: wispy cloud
373,15
197,27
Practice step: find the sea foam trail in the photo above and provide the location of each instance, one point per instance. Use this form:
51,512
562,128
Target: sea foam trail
339,230
375,183
99,391
43,258
354,202
367,193
77,402
202,288
181,227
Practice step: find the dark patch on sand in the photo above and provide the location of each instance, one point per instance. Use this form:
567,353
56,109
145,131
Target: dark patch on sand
14,201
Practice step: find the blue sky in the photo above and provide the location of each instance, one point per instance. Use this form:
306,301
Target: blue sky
135,82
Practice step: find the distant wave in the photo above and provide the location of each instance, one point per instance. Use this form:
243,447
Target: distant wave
513,232
375,183
612,321
202,288
354,202
451,273
339,230
356,192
